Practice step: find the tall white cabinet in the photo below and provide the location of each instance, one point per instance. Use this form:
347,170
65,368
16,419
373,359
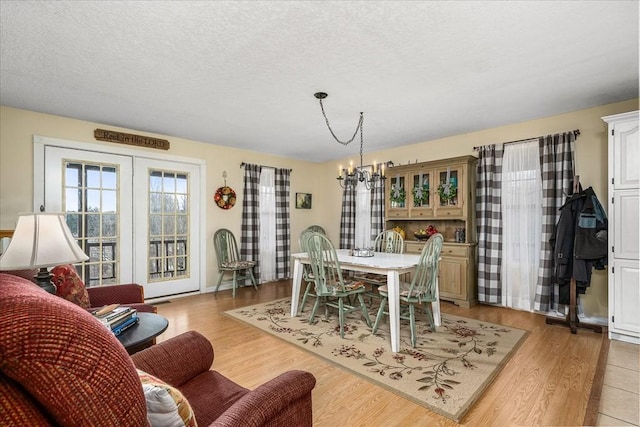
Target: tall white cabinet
624,227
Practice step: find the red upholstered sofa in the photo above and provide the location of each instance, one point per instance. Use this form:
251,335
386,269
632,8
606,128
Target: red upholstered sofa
130,294
59,366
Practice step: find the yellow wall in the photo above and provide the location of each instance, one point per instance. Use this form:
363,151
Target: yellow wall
17,128
591,162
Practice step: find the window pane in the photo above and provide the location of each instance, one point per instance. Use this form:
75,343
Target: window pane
93,225
155,202
181,184
93,176
109,177
169,225
109,201
181,203
93,201
169,182
73,222
109,225
155,181
71,200
155,225
181,224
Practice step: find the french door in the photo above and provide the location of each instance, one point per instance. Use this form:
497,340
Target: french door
137,218
166,214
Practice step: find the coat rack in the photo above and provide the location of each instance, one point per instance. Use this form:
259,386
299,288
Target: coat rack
572,320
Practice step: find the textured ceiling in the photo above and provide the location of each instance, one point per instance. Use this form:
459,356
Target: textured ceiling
243,74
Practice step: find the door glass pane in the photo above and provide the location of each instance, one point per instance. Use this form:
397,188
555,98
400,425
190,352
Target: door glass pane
168,225
420,190
90,202
398,192
448,189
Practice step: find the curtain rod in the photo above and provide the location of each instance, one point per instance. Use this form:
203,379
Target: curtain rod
264,166
576,132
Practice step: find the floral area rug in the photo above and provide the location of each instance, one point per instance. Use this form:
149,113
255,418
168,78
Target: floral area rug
446,372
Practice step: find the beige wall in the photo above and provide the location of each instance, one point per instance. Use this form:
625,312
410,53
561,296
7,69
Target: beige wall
17,128
591,162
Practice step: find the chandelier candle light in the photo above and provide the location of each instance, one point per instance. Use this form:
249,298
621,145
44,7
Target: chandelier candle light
350,177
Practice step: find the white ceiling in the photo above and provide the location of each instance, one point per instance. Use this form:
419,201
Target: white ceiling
243,74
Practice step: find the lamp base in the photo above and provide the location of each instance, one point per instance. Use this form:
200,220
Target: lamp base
43,279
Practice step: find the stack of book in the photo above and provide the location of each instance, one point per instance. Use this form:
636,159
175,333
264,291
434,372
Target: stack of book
117,318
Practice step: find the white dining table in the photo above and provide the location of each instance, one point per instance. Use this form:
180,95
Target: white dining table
393,265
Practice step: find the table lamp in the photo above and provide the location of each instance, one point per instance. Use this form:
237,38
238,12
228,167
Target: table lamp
41,240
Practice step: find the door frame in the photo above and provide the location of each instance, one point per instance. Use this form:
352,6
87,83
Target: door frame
40,142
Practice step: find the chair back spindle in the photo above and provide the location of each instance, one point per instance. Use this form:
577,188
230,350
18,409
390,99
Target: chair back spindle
425,279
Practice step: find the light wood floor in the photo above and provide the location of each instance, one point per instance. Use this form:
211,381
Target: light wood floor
546,382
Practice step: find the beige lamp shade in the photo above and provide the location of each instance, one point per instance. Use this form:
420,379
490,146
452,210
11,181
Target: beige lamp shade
41,240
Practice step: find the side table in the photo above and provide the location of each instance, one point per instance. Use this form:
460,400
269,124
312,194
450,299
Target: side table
141,335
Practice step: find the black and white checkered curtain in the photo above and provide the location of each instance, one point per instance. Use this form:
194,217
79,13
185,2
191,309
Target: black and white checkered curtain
283,222
377,209
250,238
489,222
558,170
348,219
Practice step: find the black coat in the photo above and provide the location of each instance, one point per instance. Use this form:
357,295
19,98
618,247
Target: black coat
579,242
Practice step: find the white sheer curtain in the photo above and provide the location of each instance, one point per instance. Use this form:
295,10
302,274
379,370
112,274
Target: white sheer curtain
267,202
363,216
522,224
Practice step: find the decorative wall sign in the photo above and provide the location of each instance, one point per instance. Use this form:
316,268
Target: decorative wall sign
225,197
130,139
303,201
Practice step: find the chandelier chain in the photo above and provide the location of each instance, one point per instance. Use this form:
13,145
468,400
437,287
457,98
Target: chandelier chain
358,127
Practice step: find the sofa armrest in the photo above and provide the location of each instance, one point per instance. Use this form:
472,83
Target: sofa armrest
127,294
116,294
178,359
285,400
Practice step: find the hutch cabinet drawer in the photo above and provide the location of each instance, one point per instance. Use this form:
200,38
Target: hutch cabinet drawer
455,250
449,213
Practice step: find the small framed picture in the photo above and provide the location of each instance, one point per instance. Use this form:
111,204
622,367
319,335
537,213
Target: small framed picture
303,201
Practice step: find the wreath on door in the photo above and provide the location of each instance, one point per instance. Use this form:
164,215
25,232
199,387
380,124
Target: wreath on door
225,197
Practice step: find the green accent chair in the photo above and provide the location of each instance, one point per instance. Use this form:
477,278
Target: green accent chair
307,274
330,286
389,241
421,290
229,260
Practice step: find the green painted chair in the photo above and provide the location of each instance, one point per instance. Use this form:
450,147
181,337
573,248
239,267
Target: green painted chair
317,229
421,290
330,286
229,260
389,241
307,274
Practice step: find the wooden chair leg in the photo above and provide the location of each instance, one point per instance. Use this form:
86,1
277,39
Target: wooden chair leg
313,311
304,298
432,324
219,282
235,282
341,316
383,302
412,322
365,311
253,279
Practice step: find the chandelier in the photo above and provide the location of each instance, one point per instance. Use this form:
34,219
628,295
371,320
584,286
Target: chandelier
350,177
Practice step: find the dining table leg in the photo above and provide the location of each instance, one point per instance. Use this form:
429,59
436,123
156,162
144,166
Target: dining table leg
393,288
435,306
295,288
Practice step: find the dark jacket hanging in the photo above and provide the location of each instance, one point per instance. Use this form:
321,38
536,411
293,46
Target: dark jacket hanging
579,242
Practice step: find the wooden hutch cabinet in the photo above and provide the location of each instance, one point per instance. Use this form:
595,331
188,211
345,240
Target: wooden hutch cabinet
415,200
